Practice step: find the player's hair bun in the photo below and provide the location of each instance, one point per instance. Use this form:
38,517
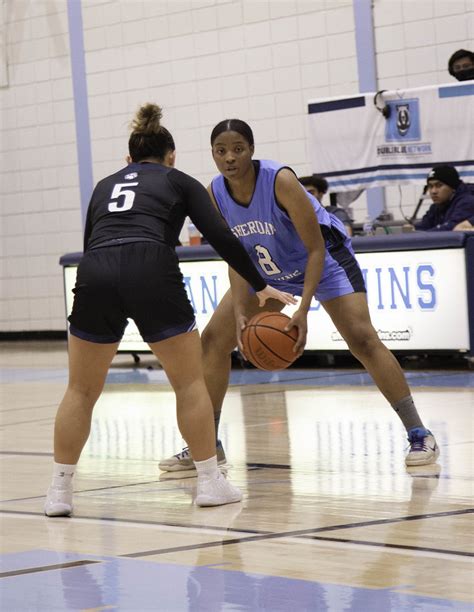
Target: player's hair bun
147,119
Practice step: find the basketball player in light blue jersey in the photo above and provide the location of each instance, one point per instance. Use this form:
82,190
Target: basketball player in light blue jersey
270,237
302,249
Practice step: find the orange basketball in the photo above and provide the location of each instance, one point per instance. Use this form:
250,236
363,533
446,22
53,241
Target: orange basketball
265,342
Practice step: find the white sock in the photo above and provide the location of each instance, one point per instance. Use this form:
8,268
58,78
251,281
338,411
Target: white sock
62,475
207,469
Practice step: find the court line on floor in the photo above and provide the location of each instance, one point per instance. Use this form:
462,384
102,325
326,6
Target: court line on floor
420,378
397,546
113,487
415,471
80,563
272,466
27,422
299,532
25,514
259,536
32,454
415,377
131,484
110,487
251,467
46,568
301,379
27,408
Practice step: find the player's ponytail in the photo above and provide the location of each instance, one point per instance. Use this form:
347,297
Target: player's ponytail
149,139
147,119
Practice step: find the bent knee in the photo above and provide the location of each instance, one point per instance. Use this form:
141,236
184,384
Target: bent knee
363,343
85,393
214,342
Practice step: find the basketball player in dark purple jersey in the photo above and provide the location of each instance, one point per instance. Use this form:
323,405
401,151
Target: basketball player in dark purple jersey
130,270
302,249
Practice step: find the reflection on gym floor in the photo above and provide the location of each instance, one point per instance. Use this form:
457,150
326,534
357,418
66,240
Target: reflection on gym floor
331,519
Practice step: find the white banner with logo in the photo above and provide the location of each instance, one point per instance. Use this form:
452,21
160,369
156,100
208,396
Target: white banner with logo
354,145
417,301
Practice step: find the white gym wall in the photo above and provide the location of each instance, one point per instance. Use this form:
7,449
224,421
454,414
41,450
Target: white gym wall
203,61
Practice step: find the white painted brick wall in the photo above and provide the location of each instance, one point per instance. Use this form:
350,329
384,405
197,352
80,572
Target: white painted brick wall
202,60
414,41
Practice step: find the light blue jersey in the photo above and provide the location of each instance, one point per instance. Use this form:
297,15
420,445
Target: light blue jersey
271,239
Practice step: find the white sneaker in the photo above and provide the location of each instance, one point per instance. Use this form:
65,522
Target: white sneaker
423,447
216,492
58,502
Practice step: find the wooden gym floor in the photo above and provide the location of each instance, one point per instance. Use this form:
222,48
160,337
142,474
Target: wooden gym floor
331,519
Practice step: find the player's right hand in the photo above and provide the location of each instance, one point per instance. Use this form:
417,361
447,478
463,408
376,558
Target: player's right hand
300,321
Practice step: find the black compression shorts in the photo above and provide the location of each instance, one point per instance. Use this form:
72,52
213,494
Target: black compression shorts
139,280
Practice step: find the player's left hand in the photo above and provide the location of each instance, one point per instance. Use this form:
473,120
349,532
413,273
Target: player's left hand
300,321
270,293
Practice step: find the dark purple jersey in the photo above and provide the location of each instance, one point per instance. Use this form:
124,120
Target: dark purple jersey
149,201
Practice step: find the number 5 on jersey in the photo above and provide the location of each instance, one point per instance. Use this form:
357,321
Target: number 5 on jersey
122,189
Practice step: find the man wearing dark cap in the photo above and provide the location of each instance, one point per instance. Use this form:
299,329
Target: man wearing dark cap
453,201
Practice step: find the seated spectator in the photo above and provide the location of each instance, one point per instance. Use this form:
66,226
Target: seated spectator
461,65
453,201
317,186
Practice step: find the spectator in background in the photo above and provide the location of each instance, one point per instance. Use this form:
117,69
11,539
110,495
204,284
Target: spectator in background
317,186
461,65
453,201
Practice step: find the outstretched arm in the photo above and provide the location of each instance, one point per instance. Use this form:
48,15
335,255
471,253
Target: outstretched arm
211,224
